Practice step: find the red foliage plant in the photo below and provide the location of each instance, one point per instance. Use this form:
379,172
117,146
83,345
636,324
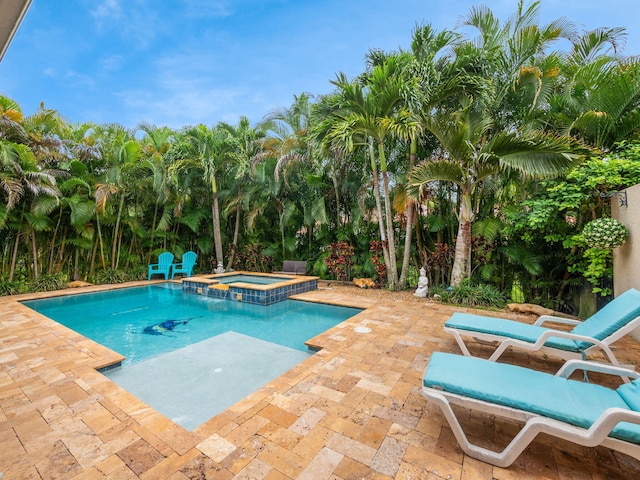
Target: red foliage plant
340,260
375,247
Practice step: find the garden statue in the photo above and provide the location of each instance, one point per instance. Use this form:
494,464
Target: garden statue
423,284
219,269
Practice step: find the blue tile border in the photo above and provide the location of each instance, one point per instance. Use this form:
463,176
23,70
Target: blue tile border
258,296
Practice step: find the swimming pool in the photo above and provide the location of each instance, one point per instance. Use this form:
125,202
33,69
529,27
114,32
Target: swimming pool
191,356
129,320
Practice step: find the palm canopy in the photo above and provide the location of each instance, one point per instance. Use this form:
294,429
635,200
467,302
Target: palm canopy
472,151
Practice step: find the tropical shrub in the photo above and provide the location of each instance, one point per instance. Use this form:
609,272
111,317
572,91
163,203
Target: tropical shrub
110,275
253,258
12,288
470,295
47,283
138,272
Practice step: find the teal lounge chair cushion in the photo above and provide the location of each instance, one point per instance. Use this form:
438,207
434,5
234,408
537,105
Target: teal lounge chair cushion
630,393
509,328
613,316
570,401
604,323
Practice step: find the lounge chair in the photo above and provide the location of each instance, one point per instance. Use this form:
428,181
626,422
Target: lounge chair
163,267
584,413
598,332
294,267
186,266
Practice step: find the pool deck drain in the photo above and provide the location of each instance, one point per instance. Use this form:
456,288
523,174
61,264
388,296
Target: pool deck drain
353,410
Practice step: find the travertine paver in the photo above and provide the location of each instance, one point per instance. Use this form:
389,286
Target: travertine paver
353,410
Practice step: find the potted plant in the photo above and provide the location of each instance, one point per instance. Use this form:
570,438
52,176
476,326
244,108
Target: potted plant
605,233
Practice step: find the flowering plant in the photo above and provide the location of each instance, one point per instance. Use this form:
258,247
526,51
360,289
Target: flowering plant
604,233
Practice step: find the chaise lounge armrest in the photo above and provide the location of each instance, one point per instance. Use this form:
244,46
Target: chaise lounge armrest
571,366
552,318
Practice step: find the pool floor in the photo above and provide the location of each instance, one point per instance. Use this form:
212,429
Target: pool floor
192,384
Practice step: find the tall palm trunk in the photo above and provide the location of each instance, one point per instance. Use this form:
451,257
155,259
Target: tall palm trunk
376,194
409,227
234,244
215,213
153,229
116,232
460,268
34,253
92,262
14,256
99,241
52,248
392,271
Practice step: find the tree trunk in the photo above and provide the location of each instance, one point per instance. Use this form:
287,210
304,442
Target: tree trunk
376,194
76,258
392,271
34,252
116,231
460,268
53,244
104,265
76,274
153,232
92,262
60,256
14,256
409,228
217,235
234,244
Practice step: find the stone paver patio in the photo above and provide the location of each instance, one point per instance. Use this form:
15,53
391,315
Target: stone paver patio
352,411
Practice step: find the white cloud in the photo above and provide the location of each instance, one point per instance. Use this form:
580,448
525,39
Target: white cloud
110,63
207,8
107,9
77,79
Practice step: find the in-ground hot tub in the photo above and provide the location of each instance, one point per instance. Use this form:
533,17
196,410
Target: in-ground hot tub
250,287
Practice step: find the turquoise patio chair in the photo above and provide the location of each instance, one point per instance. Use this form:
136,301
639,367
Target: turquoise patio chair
186,266
584,413
613,321
163,267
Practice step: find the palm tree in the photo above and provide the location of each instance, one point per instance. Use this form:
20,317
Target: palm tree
598,100
472,151
244,145
156,145
369,113
514,58
288,141
205,150
25,177
122,153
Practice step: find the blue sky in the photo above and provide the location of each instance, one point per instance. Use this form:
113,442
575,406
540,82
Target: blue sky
185,62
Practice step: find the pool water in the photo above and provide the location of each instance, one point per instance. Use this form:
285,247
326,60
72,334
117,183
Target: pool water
130,320
255,279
